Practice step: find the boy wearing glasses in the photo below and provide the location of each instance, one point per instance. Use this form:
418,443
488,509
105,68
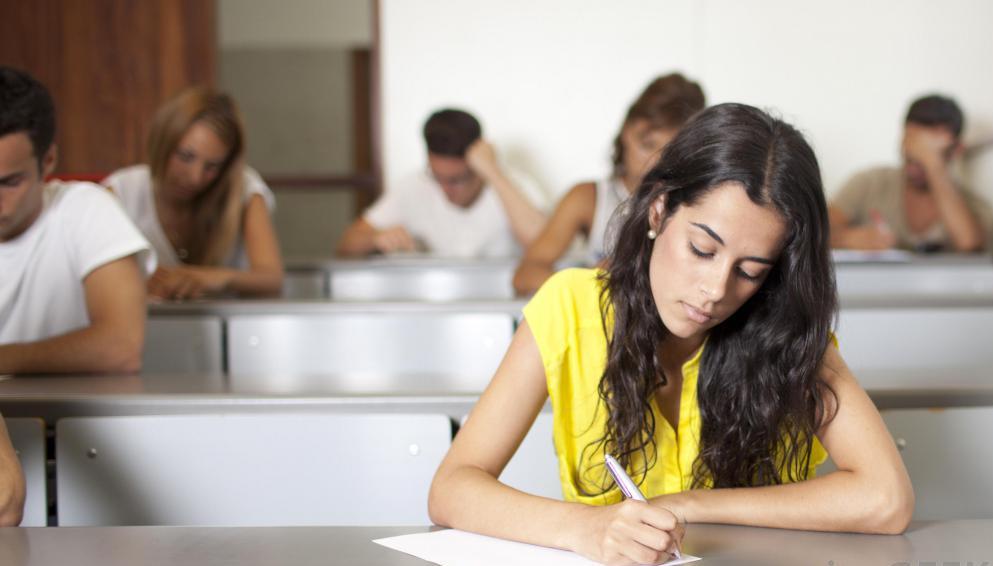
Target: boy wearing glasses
463,206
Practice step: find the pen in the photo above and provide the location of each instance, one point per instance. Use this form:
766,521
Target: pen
627,485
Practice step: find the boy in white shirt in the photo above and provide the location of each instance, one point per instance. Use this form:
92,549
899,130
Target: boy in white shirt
72,294
465,206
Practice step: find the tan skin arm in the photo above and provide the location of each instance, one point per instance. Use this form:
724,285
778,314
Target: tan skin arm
867,237
526,221
466,494
361,239
11,482
964,230
263,278
573,215
112,343
935,148
869,493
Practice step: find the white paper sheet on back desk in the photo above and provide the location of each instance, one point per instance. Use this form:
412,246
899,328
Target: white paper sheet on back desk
452,547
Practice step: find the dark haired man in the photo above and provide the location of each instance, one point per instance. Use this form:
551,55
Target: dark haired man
72,298
465,206
919,207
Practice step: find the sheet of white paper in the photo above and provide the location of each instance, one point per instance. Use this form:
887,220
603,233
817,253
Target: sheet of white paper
452,547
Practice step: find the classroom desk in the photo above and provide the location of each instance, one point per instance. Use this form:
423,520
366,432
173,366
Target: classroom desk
400,278
957,434
423,278
935,543
54,397
317,337
941,275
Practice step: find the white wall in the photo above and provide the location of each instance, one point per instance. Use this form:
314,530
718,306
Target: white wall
551,80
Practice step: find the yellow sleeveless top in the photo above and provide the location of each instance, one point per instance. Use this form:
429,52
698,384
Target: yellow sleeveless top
567,324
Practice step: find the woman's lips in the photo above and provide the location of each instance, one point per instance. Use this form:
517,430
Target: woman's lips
697,315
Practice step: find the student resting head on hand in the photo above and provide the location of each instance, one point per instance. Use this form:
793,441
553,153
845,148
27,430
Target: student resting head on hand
701,357
205,211
920,206
465,205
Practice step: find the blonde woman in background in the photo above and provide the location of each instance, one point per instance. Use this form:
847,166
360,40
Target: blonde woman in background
204,211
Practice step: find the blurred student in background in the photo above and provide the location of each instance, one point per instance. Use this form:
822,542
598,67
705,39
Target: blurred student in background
466,205
206,213
920,206
651,121
72,265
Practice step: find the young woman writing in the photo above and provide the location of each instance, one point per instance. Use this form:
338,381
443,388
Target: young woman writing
701,357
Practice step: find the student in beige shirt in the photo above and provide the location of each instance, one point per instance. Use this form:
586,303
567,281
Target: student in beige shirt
919,206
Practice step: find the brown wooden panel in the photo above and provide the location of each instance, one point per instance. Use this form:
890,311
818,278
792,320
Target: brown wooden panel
109,65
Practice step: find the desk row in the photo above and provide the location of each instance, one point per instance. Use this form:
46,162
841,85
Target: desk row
322,468
468,339
433,279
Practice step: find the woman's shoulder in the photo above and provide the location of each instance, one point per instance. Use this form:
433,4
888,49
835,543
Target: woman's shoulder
573,288
577,279
128,178
256,185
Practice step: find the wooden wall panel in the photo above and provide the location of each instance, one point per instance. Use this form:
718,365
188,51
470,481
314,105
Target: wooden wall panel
109,65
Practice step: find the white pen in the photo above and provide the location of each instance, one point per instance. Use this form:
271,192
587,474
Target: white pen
627,485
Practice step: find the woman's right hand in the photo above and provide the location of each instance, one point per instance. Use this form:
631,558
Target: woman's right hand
629,532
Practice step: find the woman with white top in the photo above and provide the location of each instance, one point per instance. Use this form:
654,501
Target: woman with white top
651,122
204,211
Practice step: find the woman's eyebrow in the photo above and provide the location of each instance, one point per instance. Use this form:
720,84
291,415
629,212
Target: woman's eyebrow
720,241
707,229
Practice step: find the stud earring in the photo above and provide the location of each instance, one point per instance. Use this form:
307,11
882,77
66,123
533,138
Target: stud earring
652,234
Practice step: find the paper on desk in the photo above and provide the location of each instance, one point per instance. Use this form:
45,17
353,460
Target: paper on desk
452,547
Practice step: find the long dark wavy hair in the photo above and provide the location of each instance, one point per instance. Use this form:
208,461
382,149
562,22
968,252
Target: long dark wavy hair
760,396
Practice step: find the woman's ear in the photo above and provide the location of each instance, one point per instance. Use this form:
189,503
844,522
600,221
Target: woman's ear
656,212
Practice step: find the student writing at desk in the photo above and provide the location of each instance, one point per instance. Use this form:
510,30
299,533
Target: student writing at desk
920,206
72,293
701,357
204,210
588,208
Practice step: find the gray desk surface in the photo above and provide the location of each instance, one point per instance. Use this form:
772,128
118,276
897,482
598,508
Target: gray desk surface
944,260
425,260
968,266
397,261
948,542
53,397
319,307
295,307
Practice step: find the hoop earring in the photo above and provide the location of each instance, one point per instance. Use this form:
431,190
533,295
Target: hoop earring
652,234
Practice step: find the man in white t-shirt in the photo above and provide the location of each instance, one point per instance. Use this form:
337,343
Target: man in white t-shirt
464,206
72,294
